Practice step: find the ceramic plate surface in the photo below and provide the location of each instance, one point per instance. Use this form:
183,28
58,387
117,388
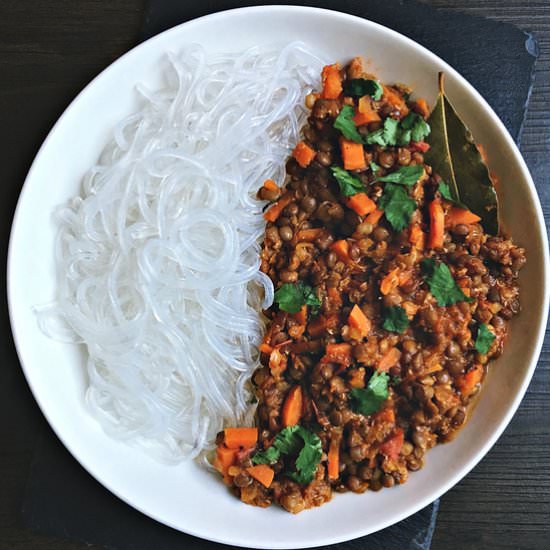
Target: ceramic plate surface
186,497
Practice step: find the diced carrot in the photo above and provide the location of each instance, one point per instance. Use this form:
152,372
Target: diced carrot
335,298
308,235
271,185
266,348
341,249
275,211
224,459
374,217
421,107
417,237
277,362
365,118
240,437
292,407
333,466
359,320
437,224
332,82
365,112
301,316
467,382
262,473
338,353
394,98
419,147
460,215
353,155
393,445
390,281
303,154
356,378
366,107
386,415
389,360
361,203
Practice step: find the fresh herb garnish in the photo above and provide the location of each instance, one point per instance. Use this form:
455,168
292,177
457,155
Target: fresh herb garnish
359,87
344,122
369,400
419,129
395,319
387,135
308,457
374,167
349,185
397,206
484,340
286,442
291,297
405,175
290,441
403,137
441,283
412,127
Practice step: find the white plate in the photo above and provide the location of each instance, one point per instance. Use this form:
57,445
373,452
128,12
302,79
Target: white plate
186,497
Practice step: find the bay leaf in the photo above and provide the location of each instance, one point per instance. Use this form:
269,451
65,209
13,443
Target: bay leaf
454,156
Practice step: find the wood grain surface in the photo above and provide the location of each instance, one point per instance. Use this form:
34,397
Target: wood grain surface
48,51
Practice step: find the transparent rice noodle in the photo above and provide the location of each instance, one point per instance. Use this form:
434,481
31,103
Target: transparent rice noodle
158,259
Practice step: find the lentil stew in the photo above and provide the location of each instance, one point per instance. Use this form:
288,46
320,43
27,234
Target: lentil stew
391,300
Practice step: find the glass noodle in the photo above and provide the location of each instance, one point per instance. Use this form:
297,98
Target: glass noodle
158,259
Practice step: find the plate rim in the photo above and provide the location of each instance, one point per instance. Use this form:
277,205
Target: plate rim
503,422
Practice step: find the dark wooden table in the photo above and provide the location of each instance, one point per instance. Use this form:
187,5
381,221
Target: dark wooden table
48,52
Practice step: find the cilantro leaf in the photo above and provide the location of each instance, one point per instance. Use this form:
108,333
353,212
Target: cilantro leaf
308,458
349,185
286,442
291,297
291,441
418,127
374,167
441,283
445,192
397,206
344,122
412,127
387,135
395,319
369,400
484,340
403,137
310,297
405,175
268,456
359,87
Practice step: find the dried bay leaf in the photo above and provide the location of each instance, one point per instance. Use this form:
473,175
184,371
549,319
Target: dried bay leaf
454,156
